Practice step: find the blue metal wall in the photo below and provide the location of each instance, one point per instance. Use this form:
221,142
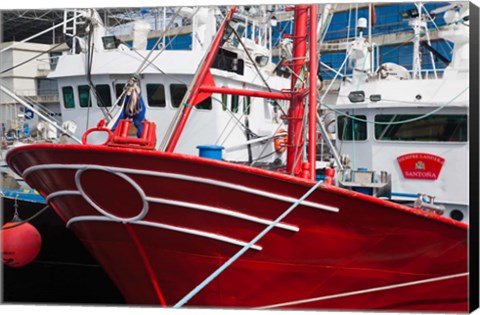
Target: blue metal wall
401,54
179,42
388,21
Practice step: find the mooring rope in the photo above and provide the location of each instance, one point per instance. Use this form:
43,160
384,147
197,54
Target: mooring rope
388,287
222,268
27,220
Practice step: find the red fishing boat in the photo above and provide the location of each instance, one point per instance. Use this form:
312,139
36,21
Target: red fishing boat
174,229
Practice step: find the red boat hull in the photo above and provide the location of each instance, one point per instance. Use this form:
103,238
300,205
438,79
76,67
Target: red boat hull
160,223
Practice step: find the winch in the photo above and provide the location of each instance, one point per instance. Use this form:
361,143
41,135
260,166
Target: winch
427,203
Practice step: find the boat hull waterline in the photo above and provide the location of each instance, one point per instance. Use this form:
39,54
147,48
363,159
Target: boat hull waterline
160,223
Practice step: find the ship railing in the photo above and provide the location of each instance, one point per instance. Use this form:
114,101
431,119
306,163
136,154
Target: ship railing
425,74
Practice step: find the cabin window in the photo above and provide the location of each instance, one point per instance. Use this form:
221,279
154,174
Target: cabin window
246,105
234,104
177,92
119,90
156,95
224,102
84,96
104,97
352,129
68,98
205,104
433,128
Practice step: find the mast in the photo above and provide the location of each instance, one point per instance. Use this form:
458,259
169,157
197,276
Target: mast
417,24
312,114
296,110
295,164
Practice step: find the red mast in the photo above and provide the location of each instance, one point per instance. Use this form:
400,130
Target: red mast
296,111
312,114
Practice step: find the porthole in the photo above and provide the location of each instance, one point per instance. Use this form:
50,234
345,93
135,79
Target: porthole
456,215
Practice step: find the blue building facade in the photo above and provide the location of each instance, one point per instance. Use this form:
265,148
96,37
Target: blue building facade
388,20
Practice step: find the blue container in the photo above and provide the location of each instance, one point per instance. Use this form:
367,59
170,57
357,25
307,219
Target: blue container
320,178
364,190
210,151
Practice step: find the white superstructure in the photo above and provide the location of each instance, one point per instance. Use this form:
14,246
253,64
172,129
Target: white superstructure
411,123
227,121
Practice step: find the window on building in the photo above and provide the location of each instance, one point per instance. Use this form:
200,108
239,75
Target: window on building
104,96
434,128
84,96
352,129
68,98
177,92
47,87
156,95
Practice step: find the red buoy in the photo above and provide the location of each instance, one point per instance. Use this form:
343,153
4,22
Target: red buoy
20,245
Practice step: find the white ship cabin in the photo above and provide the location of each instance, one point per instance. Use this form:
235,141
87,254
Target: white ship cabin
411,123
226,120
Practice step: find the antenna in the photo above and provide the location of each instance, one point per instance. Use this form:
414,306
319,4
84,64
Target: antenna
361,26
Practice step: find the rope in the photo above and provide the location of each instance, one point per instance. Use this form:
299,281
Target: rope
388,287
27,220
217,272
134,106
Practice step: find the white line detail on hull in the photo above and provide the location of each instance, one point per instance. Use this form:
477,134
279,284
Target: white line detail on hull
181,177
216,237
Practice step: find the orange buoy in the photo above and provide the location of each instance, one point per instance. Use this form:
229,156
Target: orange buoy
280,142
20,244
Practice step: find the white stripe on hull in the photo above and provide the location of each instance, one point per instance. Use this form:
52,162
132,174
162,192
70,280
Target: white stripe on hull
181,177
217,237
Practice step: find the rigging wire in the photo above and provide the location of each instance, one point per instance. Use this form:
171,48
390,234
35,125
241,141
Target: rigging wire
28,60
143,66
89,65
238,122
146,63
254,63
433,22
